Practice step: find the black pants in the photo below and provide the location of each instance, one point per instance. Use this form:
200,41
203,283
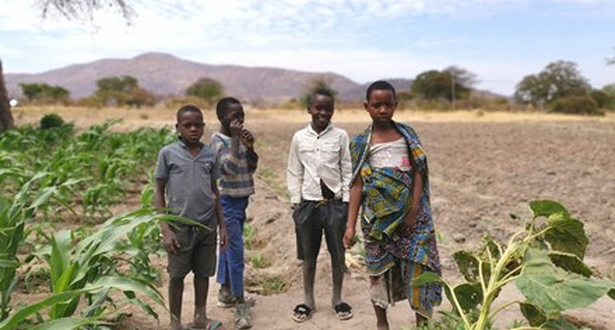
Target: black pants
311,219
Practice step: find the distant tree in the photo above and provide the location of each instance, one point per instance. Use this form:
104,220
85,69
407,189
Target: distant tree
448,84
600,97
141,97
45,92
6,117
314,85
121,91
206,89
556,80
463,77
609,90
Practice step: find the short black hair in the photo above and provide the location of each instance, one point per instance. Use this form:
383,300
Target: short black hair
320,91
379,85
224,104
188,108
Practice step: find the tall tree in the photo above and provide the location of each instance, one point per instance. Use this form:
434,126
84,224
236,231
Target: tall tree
6,118
558,79
449,84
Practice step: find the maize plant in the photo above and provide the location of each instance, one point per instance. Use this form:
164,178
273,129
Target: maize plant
544,260
14,214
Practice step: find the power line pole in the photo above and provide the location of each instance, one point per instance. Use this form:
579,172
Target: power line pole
453,91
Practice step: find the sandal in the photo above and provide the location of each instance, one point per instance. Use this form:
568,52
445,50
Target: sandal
302,313
210,324
343,311
243,320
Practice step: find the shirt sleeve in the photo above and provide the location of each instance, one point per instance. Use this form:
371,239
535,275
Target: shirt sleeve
346,166
294,172
162,166
215,171
229,164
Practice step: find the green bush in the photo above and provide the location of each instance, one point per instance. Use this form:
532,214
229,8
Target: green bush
51,120
581,104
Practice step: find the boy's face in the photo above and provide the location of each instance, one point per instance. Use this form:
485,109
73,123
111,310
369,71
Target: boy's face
190,127
321,109
232,113
381,105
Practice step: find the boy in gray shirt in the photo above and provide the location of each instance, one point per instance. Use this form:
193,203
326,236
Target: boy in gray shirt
186,174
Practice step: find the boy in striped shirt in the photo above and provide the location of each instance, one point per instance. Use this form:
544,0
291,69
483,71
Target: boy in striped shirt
238,161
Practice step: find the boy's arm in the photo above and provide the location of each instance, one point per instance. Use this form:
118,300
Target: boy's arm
228,156
251,156
346,167
356,191
294,172
417,192
219,216
168,236
252,159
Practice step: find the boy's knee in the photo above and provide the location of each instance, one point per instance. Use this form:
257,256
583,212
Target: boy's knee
176,280
309,263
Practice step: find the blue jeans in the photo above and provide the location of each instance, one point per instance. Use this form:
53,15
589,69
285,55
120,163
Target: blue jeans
231,261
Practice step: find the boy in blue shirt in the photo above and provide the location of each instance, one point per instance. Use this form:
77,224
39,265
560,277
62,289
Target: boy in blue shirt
238,161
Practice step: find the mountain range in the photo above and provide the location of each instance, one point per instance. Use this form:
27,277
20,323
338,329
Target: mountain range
166,75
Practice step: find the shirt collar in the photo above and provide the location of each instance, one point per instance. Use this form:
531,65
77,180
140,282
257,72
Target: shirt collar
183,144
324,131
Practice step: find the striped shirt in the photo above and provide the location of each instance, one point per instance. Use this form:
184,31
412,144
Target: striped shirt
235,173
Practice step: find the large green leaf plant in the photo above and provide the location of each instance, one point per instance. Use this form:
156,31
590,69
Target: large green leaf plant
544,261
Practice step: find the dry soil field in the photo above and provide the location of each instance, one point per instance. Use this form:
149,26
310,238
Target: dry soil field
483,166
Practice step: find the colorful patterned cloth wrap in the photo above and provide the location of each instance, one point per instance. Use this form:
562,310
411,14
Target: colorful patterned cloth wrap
386,199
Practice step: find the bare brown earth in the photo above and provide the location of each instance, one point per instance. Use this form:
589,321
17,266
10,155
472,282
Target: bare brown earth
483,166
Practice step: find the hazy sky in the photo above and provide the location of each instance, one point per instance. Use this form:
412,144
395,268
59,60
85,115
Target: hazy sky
501,41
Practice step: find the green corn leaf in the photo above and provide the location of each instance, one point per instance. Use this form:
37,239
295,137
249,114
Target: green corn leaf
20,315
554,290
43,197
59,258
68,323
126,284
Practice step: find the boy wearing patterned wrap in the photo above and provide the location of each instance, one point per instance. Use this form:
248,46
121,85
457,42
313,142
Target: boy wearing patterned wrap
238,161
390,184
186,173
318,177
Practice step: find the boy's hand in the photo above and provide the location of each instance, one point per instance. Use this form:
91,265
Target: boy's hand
410,220
170,241
348,239
223,239
235,128
247,138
